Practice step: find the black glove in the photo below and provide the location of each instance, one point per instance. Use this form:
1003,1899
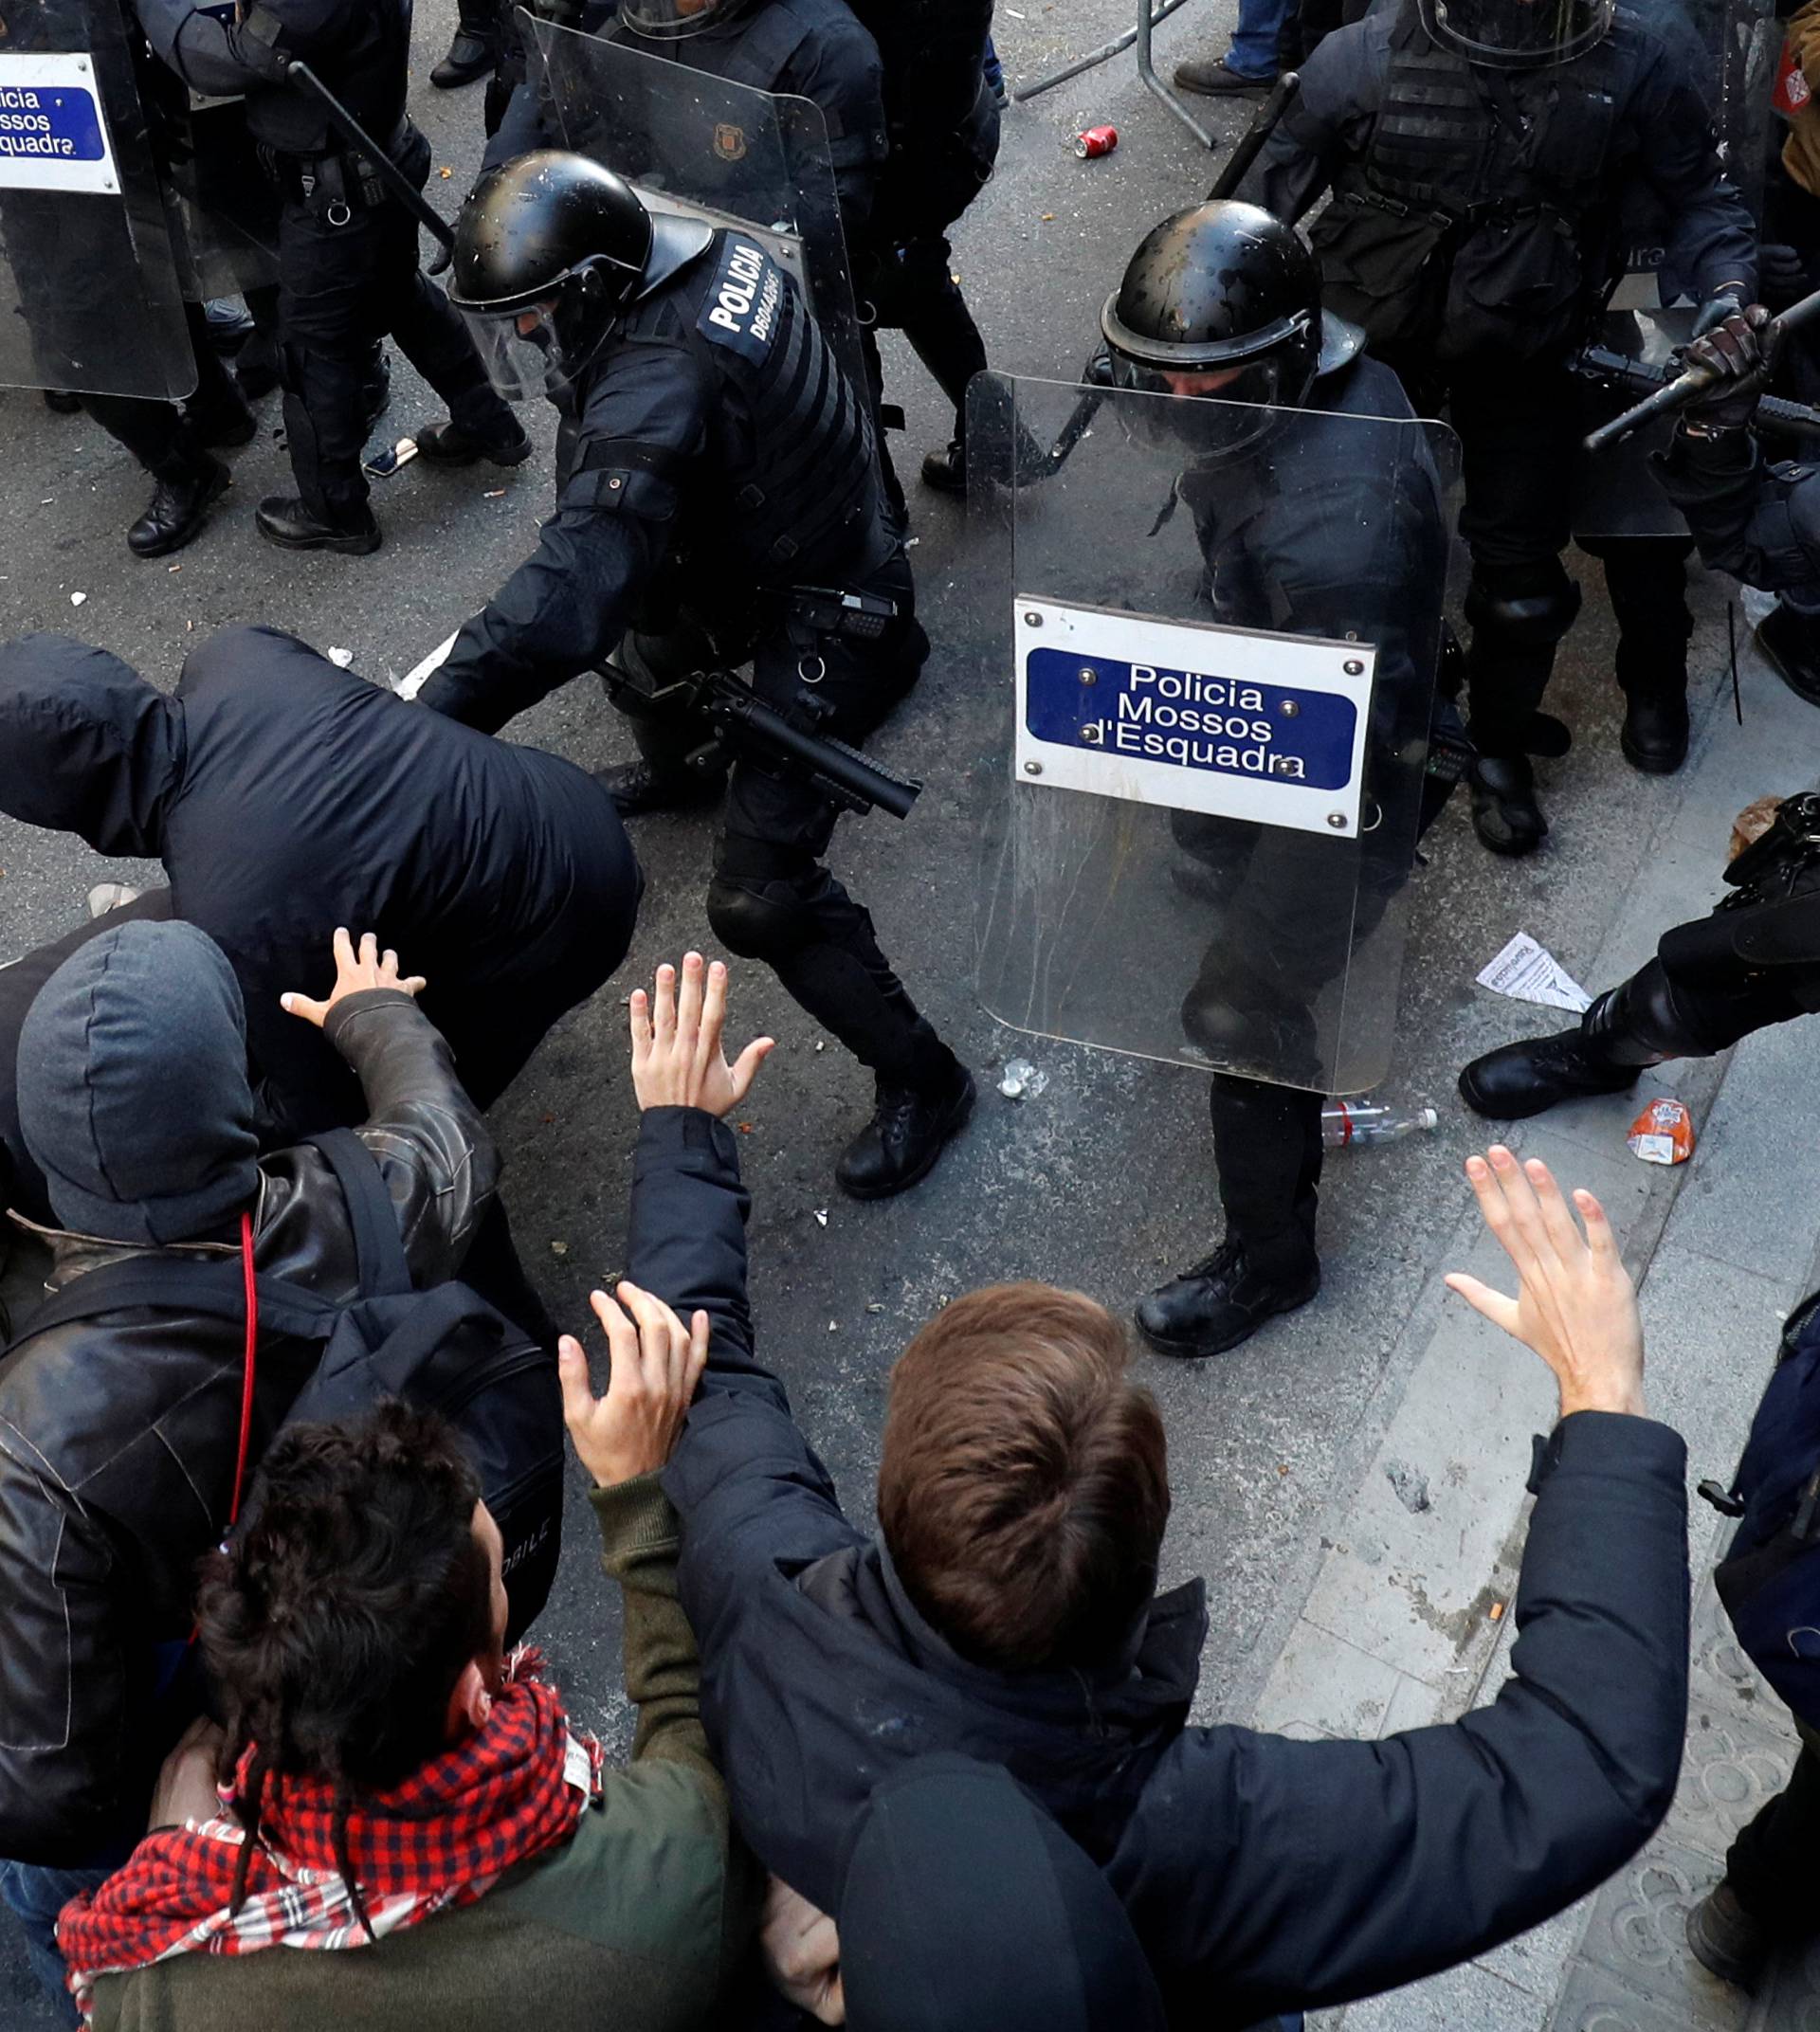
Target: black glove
1715,311
1781,276
1734,354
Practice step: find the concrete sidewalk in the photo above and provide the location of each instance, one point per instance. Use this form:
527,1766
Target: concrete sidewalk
1404,1621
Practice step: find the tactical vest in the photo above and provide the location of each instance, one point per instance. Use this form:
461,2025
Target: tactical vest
369,74
1472,222
794,491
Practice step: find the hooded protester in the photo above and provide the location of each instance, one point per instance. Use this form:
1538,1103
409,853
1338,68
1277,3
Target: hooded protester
285,797
120,1461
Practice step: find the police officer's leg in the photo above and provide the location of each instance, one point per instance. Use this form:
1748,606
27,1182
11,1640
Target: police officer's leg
1766,1899
1699,995
1267,1148
940,329
771,899
187,478
1518,436
434,338
1647,577
329,290
886,417
475,47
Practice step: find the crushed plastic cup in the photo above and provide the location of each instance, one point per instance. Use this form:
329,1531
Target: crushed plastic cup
1021,1080
1663,1133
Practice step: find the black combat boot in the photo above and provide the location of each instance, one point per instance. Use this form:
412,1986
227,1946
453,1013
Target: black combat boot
638,788
1790,641
1627,1029
1505,812
1726,1939
1652,675
179,506
946,470
293,525
473,52
1219,1303
448,443
909,1130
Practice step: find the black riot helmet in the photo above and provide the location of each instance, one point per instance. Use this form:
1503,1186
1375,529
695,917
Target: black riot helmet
555,234
1518,34
671,20
1222,301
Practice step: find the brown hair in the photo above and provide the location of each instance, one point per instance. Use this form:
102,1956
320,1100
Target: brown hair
1025,1482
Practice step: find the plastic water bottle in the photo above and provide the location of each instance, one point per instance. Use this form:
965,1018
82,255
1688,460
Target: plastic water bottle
1352,1124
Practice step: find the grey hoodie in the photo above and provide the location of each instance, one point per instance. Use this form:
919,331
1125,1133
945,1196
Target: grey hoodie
133,1099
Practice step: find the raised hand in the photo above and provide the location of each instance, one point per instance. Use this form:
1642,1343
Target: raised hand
1576,1304
354,972
677,1060
656,1361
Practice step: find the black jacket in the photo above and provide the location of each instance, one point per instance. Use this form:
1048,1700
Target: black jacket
118,1440
286,797
1264,1874
1758,520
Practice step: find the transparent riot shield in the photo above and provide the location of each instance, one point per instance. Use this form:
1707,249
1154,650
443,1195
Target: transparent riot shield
228,204
1215,628
89,292
697,144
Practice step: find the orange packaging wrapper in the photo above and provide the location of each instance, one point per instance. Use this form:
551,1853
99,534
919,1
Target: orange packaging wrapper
1663,1133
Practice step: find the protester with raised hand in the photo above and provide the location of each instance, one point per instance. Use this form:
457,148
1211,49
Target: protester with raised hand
1005,1611
393,1782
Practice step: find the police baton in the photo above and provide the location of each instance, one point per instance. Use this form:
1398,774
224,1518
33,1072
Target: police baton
1250,143
1693,382
383,166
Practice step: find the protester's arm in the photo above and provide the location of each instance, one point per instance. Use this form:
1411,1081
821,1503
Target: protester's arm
741,1451
1305,1874
432,1143
64,1698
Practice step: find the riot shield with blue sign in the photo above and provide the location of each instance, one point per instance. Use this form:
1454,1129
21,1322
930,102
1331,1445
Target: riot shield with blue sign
692,143
1216,630
90,298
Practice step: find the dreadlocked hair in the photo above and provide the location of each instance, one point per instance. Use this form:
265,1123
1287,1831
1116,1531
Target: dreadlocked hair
338,1622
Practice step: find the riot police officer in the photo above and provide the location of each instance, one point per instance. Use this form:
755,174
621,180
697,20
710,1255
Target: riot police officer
347,251
1758,520
1476,151
1754,961
717,499
1224,301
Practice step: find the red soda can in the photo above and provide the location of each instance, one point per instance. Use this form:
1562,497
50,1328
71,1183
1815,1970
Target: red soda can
1096,141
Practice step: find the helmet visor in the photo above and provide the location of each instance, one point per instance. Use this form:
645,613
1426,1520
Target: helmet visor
1254,381
518,348
671,20
1518,34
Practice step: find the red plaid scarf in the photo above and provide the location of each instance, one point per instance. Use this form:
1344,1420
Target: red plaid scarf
441,1838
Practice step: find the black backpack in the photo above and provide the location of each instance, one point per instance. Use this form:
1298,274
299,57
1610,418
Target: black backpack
444,1349
1769,1577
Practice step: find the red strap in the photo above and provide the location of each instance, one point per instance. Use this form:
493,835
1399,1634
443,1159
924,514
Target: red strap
249,1364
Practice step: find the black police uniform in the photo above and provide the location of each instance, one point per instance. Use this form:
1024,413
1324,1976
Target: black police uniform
812,49
1471,232
348,270
1337,553
1754,961
715,474
943,124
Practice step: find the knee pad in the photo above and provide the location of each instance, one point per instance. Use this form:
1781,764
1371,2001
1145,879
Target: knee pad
1530,607
759,920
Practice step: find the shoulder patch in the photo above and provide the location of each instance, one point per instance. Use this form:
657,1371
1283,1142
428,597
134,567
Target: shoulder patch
741,308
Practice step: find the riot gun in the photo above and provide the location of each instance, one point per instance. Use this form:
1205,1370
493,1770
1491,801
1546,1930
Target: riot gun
1692,382
1618,371
382,165
743,723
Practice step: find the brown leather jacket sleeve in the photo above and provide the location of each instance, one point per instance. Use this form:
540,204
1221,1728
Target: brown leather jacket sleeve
432,1144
